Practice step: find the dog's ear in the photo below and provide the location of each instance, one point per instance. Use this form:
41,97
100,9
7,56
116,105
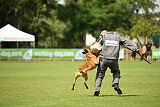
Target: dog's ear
86,51
83,52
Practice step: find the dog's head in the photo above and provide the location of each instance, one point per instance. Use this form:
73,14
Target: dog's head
87,52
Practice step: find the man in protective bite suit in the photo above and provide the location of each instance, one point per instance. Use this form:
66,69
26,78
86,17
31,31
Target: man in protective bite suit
109,54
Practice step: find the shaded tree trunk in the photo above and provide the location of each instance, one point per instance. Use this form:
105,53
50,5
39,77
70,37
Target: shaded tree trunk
52,40
75,0
139,42
36,41
84,39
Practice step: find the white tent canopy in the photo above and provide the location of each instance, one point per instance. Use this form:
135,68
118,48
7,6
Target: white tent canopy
10,33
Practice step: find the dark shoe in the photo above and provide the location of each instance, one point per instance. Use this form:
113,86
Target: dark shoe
116,88
96,93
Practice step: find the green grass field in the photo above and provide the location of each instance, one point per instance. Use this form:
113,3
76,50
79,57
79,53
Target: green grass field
44,84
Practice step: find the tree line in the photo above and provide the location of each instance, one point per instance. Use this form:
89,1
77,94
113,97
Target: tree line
65,25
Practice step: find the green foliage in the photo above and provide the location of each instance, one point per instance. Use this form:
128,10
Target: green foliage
145,28
67,24
76,19
30,16
142,28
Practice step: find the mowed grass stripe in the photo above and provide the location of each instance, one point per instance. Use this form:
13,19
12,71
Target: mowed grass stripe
49,84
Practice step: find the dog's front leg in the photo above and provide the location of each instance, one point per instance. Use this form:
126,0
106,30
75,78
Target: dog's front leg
86,85
85,82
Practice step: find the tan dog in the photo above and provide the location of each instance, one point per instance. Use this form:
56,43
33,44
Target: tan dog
90,64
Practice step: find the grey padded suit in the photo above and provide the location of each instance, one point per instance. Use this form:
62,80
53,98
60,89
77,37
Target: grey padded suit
109,56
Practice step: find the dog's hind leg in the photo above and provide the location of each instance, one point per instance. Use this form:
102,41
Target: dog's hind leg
77,74
74,83
85,79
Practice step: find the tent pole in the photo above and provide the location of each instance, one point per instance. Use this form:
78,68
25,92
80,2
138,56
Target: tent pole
17,48
0,48
34,44
17,44
33,49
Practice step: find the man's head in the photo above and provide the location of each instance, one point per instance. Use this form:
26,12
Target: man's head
103,32
147,41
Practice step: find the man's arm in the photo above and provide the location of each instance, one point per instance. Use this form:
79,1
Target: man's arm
128,44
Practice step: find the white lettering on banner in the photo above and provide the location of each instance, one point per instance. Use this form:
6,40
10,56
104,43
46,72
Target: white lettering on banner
156,53
10,54
43,53
111,43
56,53
61,54
68,54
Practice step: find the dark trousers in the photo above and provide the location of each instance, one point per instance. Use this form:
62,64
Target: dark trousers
102,67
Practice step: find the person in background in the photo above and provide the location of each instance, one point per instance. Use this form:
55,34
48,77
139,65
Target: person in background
133,53
148,46
153,46
143,51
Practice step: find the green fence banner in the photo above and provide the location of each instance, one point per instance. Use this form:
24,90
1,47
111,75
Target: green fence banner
41,53
45,53
156,53
12,53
